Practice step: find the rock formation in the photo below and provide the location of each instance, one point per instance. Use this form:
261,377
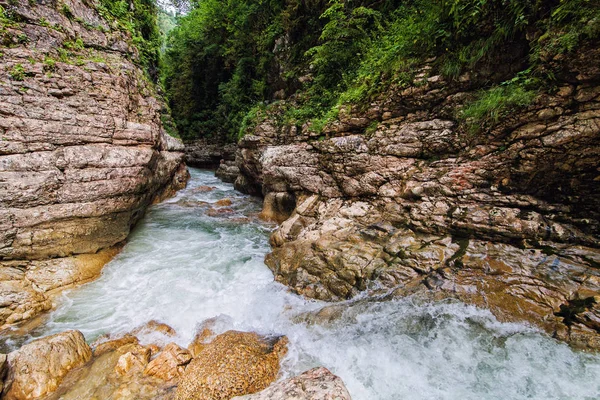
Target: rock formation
64,367
206,153
233,364
316,384
39,367
82,149
400,196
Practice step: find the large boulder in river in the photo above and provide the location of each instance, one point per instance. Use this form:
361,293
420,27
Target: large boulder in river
38,368
233,364
316,384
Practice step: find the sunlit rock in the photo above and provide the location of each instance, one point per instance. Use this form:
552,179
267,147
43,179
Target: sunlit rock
38,368
316,384
233,364
170,363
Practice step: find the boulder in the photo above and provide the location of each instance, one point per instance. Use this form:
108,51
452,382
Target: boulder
170,363
315,384
135,358
38,368
233,364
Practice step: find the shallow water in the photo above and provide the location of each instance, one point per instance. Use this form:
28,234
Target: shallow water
184,264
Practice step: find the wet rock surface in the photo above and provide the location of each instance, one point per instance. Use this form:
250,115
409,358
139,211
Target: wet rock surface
316,384
63,366
82,152
39,367
506,219
233,364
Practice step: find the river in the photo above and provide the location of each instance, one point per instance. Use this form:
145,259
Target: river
188,261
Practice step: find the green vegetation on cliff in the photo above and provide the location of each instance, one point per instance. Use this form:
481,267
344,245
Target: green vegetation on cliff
139,17
227,60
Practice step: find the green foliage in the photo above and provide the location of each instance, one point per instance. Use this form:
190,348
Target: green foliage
226,61
66,11
49,64
571,23
17,72
74,45
139,18
495,104
218,64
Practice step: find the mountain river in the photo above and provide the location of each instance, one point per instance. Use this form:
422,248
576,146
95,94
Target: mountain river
188,261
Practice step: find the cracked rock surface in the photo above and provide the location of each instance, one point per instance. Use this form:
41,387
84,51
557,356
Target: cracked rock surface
82,150
401,198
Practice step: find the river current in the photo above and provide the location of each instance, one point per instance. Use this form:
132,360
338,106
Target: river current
189,260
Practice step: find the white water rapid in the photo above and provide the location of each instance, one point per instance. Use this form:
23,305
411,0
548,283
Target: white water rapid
184,264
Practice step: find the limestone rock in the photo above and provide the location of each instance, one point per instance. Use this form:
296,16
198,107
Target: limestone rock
83,153
315,384
508,219
135,358
170,364
233,364
38,368
205,153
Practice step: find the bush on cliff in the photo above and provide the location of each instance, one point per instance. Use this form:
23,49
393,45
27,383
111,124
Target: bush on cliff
227,60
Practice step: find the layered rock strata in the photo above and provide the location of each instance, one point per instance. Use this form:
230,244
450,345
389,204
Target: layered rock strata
207,153
82,149
402,197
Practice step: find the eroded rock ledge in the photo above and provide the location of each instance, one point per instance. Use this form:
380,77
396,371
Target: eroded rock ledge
82,150
400,197
214,366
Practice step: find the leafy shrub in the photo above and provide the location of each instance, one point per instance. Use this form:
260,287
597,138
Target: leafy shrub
17,72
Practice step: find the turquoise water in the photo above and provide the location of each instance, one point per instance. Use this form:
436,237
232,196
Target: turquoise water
189,260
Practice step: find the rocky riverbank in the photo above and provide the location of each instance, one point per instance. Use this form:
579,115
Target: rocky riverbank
213,367
402,197
206,153
83,150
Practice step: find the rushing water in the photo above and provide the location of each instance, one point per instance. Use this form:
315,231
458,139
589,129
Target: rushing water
187,262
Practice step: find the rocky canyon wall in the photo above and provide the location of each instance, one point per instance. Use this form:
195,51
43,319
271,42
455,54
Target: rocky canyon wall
82,149
399,199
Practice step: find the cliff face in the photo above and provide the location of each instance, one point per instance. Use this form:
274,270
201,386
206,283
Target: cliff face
83,151
399,199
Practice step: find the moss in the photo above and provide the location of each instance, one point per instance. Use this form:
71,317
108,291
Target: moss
17,72
66,11
494,104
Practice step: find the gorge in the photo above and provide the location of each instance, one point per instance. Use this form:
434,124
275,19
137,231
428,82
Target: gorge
422,226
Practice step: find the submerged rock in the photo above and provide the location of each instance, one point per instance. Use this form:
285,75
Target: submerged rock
233,364
38,368
316,384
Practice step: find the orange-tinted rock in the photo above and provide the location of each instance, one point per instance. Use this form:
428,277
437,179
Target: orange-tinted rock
134,359
111,345
233,364
38,368
170,363
154,326
204,334
224,203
